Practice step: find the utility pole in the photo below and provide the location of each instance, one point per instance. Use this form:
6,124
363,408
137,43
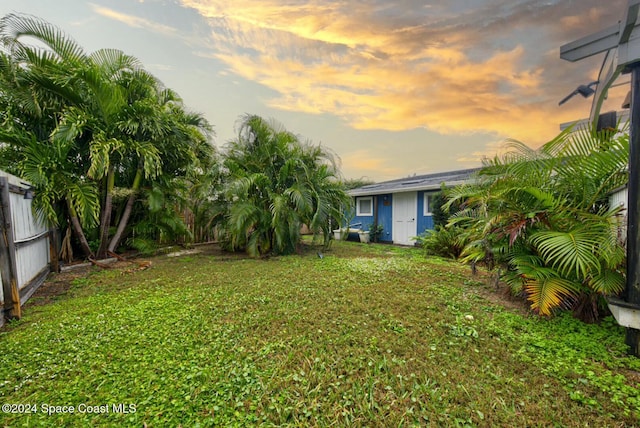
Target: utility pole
632,289
621,43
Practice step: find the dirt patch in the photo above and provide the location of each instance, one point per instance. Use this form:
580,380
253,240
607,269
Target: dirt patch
59,284
500,294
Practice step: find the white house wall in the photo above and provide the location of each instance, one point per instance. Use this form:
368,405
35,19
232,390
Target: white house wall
620,198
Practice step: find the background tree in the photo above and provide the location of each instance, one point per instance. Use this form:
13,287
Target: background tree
36,88
354,183
120,129
274,184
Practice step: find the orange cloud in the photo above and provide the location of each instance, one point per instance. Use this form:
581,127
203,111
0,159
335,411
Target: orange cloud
361,164
391,74
133,21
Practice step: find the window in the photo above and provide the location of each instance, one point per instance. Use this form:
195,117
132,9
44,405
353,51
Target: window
364,206
428,203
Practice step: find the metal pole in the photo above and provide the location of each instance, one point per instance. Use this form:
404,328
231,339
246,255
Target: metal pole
632,290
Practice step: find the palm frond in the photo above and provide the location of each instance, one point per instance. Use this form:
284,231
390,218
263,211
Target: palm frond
550,293
572,253
15,26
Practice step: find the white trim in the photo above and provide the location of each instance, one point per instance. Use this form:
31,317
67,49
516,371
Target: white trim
359,212
427,210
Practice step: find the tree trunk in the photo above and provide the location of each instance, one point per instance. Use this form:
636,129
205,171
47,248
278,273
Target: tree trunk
105,219
586,308
124,220
77,229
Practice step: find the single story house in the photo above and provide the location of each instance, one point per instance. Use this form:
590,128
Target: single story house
403,206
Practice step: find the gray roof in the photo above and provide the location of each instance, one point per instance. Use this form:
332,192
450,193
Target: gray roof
416,183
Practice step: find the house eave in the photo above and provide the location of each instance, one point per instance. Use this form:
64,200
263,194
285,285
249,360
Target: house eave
372,192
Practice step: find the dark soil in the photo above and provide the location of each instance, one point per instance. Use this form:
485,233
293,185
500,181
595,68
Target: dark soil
58,284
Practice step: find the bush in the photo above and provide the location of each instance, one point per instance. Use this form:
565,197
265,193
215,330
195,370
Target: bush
442,241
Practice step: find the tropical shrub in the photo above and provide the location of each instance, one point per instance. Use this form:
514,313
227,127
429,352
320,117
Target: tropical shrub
440,215
375,232
443,241
274,184
543,216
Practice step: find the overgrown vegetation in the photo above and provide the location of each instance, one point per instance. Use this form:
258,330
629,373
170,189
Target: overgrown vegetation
443,241
365,336
117,158
274,184
542,218
100,138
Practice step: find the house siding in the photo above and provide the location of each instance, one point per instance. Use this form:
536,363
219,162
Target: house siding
620,198
385,214
425,222
364,220
384,205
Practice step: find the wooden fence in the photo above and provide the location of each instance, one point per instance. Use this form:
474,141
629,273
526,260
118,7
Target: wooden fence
24,246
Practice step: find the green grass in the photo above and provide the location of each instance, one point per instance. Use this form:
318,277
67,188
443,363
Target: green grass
366,336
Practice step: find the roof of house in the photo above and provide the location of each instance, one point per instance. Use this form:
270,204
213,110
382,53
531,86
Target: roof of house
622,116
416,183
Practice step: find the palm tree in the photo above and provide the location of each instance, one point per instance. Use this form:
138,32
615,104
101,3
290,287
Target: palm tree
35,89
275,184
543,215
122,125
181,140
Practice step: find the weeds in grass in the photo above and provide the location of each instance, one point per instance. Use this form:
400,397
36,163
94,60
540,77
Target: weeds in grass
366,336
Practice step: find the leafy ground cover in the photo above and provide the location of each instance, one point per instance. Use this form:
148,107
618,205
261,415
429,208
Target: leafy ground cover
364,336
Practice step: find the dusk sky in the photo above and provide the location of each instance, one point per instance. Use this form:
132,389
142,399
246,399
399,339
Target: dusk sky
393,87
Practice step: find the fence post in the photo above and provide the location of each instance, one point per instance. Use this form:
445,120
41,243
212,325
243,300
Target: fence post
8,255
53,251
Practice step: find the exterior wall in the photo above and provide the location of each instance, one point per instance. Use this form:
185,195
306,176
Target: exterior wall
425,222
385,210
364,220
620,199
384,206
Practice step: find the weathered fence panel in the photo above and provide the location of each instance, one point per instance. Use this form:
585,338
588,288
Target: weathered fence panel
24,245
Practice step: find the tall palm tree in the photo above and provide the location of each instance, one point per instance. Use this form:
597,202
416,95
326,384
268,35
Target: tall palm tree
36,87
181,141
122,125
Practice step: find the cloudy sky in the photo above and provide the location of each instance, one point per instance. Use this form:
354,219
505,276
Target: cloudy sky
393,87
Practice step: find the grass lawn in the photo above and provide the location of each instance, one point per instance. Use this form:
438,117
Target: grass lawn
368,335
